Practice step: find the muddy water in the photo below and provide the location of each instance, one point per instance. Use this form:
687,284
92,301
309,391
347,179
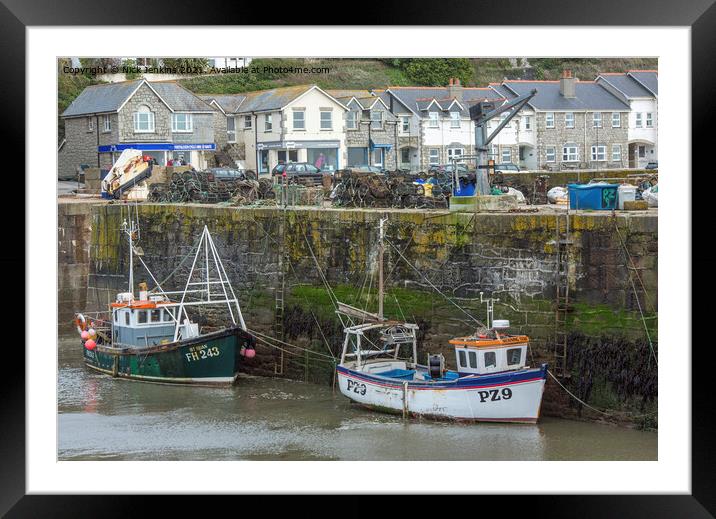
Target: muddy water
101,418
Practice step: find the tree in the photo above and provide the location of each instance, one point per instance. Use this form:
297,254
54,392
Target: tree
189,64
437,71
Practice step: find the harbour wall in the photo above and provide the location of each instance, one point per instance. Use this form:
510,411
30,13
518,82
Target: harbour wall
436,265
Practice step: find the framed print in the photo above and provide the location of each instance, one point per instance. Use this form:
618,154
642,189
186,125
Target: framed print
282,266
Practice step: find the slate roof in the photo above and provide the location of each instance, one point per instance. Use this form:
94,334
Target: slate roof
648,78
228,102
273,99
110,97
589,96
418,98
101,98
364,97
626,84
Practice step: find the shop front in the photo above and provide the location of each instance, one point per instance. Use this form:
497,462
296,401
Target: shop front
325,155
190,154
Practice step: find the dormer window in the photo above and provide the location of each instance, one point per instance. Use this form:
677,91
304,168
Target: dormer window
454,119
143,120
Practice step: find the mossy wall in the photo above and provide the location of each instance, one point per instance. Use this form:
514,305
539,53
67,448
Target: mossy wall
612,261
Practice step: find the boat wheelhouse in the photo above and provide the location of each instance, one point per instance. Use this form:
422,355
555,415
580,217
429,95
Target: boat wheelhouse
379,369
152,337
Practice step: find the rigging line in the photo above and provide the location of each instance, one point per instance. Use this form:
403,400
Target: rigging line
432,285
633,266
636,296
268,337
575,396
293,352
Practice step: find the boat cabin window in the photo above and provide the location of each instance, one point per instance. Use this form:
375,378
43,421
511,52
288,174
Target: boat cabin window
116,317
463,359
155,315
473,359
514,356
141,317
168,314
490,359
126,318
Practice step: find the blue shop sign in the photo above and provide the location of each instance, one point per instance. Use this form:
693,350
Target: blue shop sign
155,147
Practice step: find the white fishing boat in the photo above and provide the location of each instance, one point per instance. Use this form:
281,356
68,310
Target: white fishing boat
379,369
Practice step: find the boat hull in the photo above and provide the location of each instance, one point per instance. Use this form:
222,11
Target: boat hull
212,359
500,397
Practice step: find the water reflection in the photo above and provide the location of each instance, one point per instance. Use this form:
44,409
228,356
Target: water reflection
274,419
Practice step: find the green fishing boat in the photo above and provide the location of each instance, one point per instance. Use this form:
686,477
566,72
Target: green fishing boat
152,337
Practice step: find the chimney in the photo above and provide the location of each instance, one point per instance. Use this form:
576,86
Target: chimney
455,89
567,84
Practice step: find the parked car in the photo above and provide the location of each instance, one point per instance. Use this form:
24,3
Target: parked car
365,168
652,165
298,171
507,168
448,168
228,173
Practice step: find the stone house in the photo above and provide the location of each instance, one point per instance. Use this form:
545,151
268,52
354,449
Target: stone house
440,116
640,90
371,129
162,119
572,124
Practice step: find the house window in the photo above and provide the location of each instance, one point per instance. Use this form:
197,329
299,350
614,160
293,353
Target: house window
472,355
649,120
143,120
514,356
378,156
326,120
434,157
638,120
597,119
569,120
433,119
570,153
107,120
528,122
616,120
405,126
299,120
182,123
642,152
599,153
490,359
231,129
247,122
549,120
351,120
376,118
268,123
504,117
454,119
463,358
616,152
90,124
550,154
454,153
506,155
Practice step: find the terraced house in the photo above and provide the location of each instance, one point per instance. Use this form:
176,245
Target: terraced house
640,90
371,129
435,124
162,119
292,124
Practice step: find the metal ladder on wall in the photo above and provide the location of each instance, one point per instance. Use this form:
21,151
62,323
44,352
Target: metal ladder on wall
280,291
562,242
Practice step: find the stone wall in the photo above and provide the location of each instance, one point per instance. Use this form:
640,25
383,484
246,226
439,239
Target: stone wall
452,258
162,118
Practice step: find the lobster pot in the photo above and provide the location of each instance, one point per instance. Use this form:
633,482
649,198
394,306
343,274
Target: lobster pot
598,197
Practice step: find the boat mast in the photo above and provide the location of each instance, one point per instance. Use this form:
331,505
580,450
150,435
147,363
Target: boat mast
380,268
130,229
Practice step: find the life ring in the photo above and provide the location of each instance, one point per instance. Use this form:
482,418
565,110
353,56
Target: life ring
81,323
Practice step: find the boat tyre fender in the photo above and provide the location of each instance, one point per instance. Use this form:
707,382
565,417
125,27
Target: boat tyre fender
81,323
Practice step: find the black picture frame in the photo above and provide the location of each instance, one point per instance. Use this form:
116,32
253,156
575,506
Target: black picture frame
700,16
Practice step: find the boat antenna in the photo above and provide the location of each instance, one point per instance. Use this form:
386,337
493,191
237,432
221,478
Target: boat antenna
490,302
381,249
130,230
